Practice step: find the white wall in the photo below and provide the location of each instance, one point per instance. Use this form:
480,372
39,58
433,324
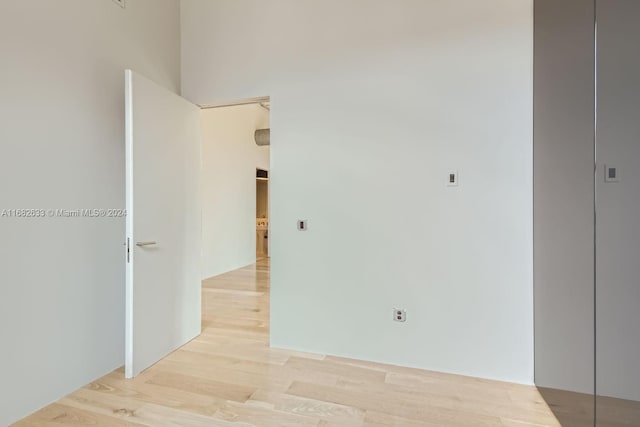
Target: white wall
400,93
230,159
62,146
563,176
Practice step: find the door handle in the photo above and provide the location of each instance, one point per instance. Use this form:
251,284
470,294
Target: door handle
141,244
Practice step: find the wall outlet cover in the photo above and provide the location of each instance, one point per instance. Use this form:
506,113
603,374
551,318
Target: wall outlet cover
399,315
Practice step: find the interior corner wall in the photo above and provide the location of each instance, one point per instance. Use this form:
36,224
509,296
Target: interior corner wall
62,147
230,158
373,103
564,85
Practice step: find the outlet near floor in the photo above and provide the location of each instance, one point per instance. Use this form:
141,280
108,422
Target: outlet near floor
399,315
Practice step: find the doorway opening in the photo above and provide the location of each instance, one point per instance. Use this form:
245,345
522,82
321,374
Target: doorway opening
236,206
234,217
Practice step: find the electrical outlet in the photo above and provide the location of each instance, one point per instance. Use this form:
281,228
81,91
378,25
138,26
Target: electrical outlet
120,3
302,225
399,315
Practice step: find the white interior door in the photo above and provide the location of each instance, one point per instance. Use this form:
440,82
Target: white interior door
163,223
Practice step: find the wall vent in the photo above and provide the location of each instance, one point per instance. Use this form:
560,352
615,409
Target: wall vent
263,137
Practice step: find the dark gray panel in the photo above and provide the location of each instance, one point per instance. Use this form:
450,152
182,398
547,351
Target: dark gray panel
564,84
618,214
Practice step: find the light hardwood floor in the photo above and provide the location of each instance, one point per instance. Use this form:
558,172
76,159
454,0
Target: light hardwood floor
230,377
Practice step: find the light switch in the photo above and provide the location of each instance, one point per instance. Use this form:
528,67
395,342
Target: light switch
611,174
452,179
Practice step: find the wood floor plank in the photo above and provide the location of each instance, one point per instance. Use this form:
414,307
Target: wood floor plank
475,402
122,407
379,419
390,404
258,374
149,393
204,386
59,414
506,422
267,417
247,381
134,411
327,367
331,413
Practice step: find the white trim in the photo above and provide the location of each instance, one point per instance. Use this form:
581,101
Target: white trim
129,224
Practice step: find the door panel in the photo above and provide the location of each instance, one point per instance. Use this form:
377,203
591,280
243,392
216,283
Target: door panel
618,214
163,288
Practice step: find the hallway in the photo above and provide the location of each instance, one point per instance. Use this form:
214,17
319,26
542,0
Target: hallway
230,377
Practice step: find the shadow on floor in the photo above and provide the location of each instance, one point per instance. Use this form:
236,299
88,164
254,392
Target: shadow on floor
570,409
578,409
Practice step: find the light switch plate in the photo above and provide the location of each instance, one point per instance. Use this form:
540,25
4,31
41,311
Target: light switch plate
452,179
611,174
120,3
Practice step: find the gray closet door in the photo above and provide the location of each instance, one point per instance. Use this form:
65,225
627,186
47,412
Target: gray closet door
564,103
618,213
